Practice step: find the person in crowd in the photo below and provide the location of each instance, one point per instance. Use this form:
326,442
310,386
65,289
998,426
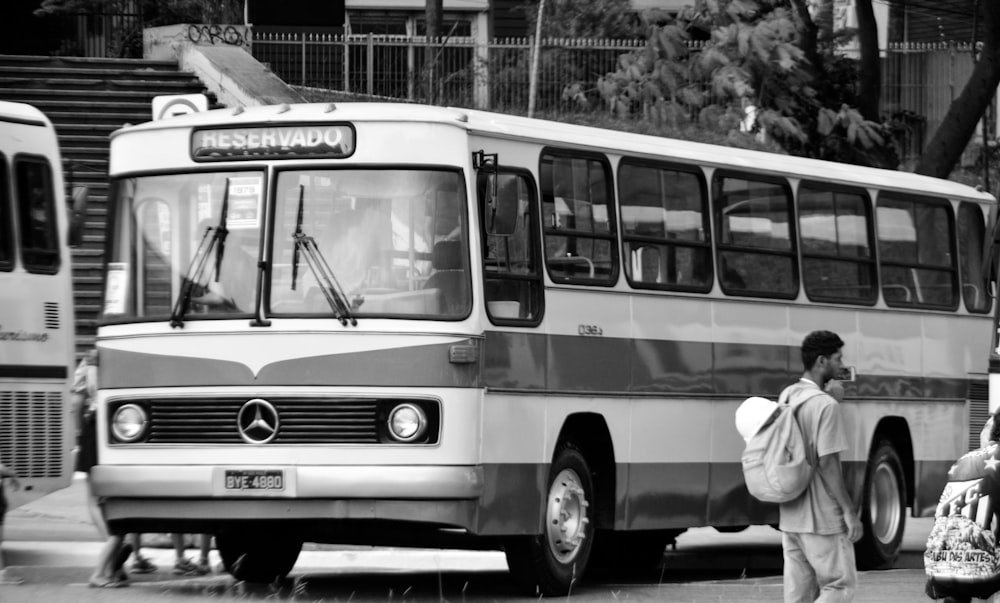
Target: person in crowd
109,572
183,566
7,476
140,563
820,526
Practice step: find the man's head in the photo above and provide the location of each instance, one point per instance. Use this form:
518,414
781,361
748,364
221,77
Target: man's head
821,355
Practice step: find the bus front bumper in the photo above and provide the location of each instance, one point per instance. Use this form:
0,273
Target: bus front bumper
166,497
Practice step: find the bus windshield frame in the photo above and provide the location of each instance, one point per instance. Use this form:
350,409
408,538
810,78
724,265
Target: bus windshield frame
392,242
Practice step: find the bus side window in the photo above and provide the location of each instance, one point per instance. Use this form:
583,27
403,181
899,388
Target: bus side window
835,229
6,225
665,232
37,216
916,242
754,236
578,219
512,279
971,237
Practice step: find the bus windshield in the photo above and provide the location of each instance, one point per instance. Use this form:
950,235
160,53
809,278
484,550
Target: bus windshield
168,256
394,241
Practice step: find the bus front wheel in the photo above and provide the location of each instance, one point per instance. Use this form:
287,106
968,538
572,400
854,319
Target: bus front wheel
883,509
252,557
551,562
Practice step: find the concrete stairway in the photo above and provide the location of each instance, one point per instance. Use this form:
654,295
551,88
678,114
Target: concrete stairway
87,99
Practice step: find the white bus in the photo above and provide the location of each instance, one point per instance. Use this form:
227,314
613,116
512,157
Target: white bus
404,325
37,339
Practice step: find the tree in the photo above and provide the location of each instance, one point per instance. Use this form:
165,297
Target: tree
770,67
126,37
432,14
571,20
870,68
959,124
597,19
155,12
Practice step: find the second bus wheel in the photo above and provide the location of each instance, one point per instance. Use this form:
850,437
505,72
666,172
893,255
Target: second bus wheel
551,562
883,509
252,556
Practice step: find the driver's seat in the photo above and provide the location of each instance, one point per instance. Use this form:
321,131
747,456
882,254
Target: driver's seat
449,278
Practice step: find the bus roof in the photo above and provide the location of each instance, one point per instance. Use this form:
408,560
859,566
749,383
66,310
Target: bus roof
552,133
21,113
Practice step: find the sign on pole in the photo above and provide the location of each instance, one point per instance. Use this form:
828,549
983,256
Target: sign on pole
172,105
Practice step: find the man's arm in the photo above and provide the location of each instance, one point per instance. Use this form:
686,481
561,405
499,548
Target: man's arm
833,478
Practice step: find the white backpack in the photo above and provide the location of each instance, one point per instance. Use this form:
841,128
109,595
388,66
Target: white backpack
776,465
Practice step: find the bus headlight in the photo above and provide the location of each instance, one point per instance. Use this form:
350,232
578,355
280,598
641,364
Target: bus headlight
407,422
128,423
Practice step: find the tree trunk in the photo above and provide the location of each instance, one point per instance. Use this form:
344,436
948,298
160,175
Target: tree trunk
870,78
810,35
433,16
945,149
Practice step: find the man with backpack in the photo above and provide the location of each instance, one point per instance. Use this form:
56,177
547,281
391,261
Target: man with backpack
820,526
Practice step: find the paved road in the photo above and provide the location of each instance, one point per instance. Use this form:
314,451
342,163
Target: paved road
50,546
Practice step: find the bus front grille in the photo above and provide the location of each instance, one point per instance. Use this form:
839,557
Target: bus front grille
31,433
300,421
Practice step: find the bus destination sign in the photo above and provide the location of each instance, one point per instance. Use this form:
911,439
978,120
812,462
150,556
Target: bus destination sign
273,142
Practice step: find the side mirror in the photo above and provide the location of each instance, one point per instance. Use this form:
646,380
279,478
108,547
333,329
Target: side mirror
77,214
500,210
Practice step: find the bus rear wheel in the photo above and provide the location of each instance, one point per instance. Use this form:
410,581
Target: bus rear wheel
883,509
255,557
551,562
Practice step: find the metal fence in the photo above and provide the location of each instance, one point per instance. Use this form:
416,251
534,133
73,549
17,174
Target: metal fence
492,76
114,35
918,81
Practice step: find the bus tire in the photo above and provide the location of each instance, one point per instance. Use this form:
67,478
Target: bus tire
251,557
551,562
883,509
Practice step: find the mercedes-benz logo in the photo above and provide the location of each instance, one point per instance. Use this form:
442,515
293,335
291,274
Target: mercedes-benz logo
257,421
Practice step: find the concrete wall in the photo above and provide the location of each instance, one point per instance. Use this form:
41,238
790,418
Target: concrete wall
219,55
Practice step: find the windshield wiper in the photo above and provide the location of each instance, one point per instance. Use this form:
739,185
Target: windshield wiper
320,268
197,266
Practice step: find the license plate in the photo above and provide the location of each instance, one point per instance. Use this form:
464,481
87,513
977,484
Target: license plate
254,479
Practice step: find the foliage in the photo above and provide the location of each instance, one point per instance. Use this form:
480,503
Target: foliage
125,37
155,12
765,70
570,20
584,19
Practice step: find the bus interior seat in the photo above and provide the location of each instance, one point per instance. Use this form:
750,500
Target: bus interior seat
449,277
899,293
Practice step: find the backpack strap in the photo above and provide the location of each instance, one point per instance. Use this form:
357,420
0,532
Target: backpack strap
799,396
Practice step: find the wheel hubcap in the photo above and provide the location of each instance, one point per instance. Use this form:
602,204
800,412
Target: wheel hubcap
566,516
884,504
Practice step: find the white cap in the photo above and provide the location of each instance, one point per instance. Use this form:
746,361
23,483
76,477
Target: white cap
752,414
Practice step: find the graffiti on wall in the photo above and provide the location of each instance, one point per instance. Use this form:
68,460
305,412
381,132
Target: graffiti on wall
219,35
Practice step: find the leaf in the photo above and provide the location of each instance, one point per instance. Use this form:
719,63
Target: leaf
785,60
875,133
861,134
691,96
825,122
743,40
606,87
653,90
852,132
667,77
621,109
